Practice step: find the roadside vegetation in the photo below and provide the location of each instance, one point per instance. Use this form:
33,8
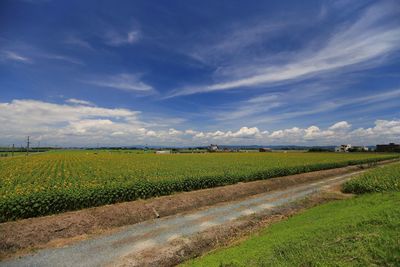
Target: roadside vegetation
361,231
384,179
60,181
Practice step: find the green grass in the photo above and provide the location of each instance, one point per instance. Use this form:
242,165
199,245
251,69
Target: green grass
384,179
59,181
363,231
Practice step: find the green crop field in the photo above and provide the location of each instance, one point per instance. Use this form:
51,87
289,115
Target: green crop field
362,231
58,181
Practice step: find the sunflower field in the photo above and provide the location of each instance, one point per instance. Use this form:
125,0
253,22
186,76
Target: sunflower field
59,181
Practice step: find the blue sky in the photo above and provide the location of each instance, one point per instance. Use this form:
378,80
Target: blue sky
192,73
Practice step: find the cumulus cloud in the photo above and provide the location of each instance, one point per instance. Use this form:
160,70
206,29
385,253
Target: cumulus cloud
314,132
174,132
340,132
245,132
342,125
242,133
80,123
384,131
63,122
292,133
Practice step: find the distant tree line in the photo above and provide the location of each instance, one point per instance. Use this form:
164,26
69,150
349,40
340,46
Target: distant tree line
23,149
321,149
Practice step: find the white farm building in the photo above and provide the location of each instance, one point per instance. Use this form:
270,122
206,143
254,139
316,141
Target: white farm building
343,148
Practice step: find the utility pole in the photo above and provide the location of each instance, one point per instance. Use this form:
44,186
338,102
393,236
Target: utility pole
27,146
12,151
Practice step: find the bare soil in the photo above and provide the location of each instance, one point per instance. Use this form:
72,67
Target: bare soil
23,236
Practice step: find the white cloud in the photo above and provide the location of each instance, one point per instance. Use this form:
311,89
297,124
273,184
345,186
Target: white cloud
383,130
77,124
59,123
74,40
245,132
342,125
233,40
340,132
62,58
114,38
191,132
314,132
291,133
14,56
242,133
358,45
30,54
151,133
173,131
308,101
79,102
252,106
123,81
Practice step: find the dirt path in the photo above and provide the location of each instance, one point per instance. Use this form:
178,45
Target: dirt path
112,249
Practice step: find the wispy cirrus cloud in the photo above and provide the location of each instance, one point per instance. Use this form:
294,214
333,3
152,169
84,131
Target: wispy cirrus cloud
75,101
234,40
122,81
247,108
355,45
116,38
26,53
14,56
369,102
280,103
281,107
62,58
112,36
77,41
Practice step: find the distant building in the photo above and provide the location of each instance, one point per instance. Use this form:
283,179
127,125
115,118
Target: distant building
343,148
163,152
213,148
265,149
391,147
